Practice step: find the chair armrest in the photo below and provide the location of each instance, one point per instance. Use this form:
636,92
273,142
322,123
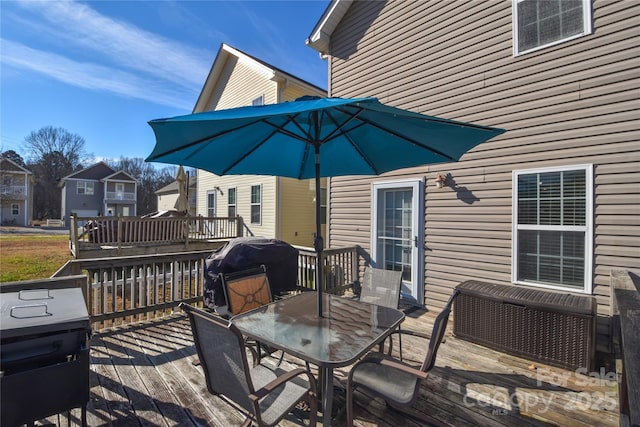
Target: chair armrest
268,388
405,368
413,333
392,363
254,354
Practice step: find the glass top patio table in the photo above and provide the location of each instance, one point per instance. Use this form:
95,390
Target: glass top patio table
348,329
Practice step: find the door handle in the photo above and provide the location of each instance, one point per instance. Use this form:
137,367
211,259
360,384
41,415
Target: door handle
415,241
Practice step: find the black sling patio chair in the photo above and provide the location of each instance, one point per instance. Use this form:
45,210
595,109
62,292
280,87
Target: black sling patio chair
266,395
394,381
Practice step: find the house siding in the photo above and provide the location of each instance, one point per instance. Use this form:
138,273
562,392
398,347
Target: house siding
297,222
573,103
208,181
239,85
18,190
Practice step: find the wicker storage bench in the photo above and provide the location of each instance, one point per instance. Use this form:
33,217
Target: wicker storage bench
550,327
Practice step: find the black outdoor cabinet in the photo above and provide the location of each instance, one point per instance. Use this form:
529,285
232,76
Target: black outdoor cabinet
44,354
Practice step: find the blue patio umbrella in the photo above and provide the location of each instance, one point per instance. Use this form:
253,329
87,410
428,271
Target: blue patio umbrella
358,136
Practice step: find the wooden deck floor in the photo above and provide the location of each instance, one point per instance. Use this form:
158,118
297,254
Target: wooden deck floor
144,375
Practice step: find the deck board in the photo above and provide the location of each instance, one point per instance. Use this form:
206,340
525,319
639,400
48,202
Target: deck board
144,375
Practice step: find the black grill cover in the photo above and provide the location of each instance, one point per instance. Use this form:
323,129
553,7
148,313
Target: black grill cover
279,258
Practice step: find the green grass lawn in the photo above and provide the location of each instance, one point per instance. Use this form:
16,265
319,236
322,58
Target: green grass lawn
28,257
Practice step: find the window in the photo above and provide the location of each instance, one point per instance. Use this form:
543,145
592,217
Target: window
258,101
323,206
231,203
15,209
85,187
256,204
211,203
541,23
552,244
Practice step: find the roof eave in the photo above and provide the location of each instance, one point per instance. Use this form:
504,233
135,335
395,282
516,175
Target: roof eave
321,34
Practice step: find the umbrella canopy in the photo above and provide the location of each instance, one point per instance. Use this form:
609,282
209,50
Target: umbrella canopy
182,202
358,136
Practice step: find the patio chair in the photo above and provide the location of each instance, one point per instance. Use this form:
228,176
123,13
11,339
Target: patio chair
382,287
245,290
394,381
264,394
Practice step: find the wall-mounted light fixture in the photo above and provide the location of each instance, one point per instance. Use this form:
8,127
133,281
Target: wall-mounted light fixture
217,188
441,180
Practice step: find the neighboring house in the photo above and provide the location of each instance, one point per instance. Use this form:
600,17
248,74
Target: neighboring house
554,203
270,206
16,194
168,195
98,191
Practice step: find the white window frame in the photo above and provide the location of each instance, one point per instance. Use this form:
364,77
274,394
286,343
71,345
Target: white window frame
215,203
235,204
258,101
587,27
15,209
587,228
252,204
84,185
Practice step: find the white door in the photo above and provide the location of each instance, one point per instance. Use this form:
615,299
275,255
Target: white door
120,191
397,232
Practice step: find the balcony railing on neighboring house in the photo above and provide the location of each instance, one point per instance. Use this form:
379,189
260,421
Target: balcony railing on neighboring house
16,192
119,195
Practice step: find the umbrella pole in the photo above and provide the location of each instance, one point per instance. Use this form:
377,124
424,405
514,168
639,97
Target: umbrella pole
317,242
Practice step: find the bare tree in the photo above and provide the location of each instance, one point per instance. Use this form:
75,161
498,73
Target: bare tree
53,153
51,139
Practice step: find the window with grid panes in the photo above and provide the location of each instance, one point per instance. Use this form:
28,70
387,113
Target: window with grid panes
211,203
542,23
256,204
552,228
231,202
85,187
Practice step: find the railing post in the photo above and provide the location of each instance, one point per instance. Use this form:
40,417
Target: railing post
119,234
239,226
355,266
73,235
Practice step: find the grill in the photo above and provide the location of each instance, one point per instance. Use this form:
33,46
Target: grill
44,354
550,327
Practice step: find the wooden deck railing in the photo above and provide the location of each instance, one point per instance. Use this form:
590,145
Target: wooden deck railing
626,340
87,233
122,290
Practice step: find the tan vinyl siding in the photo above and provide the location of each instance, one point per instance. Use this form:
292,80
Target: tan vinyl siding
240,83
298,225
208,181
293,91
574,103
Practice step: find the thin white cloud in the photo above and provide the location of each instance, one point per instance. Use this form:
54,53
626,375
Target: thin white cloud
78,25
93,51
94,76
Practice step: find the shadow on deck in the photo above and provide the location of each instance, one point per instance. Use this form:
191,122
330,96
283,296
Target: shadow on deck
144,375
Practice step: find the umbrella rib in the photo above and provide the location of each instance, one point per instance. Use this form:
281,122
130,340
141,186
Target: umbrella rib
348,138
276,129
410,140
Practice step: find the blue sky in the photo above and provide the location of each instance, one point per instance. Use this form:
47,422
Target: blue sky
102,69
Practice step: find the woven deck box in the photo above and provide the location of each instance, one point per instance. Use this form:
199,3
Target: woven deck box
550,327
